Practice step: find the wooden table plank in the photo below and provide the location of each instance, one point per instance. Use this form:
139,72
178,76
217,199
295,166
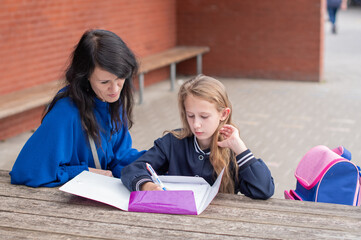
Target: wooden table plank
237,221
241,213
284,205
96,229
31,210
228,200
4,176
16,233
273,216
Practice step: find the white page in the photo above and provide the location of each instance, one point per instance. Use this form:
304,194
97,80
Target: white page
98,187
198,185
199,190
211,193
182,179
112,191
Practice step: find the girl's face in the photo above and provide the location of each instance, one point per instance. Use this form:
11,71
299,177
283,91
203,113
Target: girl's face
203,118
106,85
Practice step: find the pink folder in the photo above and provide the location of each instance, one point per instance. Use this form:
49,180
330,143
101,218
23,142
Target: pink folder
171,202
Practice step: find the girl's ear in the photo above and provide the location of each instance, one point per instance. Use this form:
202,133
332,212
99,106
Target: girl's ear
225,114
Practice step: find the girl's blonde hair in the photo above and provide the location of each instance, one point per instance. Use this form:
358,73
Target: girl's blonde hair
213,91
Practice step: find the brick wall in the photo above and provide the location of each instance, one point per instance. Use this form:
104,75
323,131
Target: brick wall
275,39
37,37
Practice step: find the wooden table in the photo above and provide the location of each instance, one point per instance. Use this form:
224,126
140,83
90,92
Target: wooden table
48,213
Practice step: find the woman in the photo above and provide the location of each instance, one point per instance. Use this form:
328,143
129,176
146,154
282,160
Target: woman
95,106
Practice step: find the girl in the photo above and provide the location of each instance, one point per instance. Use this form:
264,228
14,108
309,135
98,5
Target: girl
96,105
207,143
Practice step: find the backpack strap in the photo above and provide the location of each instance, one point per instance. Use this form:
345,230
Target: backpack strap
95,153
343,152
292,195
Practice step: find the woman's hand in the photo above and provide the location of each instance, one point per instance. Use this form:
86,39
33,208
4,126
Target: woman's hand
232,139
101,172
150,186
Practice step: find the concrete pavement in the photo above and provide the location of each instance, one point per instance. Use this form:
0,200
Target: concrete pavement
278,120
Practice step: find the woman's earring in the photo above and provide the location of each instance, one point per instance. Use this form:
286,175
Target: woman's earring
87,87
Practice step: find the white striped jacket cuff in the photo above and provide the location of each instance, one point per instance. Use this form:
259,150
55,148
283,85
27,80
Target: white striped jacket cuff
140,182
246,158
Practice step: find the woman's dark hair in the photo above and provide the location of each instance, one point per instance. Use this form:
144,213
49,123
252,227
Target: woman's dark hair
108,51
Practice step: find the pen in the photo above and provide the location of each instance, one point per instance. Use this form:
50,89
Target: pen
155,177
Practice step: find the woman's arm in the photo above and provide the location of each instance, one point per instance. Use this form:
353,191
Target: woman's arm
47,159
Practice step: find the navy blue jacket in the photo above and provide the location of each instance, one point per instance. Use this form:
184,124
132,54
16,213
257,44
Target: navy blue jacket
173,156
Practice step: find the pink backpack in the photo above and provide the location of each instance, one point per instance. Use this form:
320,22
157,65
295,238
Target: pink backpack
325,175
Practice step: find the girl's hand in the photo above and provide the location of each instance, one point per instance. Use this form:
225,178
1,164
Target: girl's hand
101,172
150,186
232,139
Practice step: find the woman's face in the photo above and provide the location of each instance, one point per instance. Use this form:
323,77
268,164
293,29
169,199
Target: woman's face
106,85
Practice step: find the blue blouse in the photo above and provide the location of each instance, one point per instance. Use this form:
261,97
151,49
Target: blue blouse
59,149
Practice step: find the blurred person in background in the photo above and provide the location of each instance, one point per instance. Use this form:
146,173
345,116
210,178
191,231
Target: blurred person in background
333,7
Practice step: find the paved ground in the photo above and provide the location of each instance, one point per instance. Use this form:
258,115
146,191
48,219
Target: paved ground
279,120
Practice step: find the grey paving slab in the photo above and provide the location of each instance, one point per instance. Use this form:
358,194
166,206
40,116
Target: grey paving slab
278,120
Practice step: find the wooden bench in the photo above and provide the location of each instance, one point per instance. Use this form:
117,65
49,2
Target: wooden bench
29,98
170,58
26,99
